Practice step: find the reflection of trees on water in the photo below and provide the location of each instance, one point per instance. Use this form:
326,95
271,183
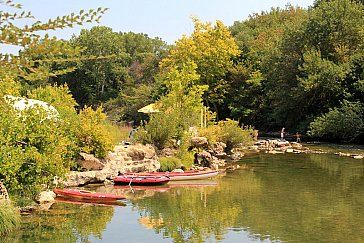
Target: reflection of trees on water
300,198
307,198
293,198
65,223
196,214
349,171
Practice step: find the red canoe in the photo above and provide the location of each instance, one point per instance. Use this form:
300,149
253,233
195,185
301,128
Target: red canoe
141,179
86,195
90,202
185,175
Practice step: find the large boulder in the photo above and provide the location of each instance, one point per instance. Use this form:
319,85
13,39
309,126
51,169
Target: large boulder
87,177
203,159
168,152
218,150
141,152
90,162
198,142
46,197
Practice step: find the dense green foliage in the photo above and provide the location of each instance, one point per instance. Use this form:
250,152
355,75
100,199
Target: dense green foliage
228,132
37,144
344,122
33,149
121,78
298,64
92,135
279,68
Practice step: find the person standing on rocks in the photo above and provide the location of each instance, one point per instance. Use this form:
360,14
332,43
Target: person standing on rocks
298,137
282,134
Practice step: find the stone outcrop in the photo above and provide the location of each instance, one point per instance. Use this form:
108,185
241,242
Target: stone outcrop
89,162
131,158
275,146
199,142
167,152
218,150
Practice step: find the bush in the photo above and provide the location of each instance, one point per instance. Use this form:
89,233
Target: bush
340,123
187,157
93,136
36,147
9,217
158,131
61,98
228,132
169,163
32,149
89,131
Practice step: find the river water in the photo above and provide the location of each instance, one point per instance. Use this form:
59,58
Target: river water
271,198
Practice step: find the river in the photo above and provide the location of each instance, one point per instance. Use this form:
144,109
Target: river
271,198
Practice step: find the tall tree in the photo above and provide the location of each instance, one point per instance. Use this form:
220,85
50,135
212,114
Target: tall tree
99,79
211,48
259,39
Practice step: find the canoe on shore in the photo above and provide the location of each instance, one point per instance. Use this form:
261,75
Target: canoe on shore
86,195
185,175
135,179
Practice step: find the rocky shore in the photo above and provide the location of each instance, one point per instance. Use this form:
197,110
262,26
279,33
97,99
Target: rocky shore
145,158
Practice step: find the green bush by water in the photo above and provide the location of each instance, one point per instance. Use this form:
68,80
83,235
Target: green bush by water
169,163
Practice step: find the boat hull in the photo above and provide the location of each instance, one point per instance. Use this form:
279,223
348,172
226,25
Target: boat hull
187,175
141,180
86,195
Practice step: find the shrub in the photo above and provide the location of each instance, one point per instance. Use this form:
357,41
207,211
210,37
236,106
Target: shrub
158,131
187,157
93,136
228,132
9,217
169,163
32,149
340,123
61,98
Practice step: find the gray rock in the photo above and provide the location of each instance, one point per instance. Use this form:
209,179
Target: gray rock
46,197
90,162
198,142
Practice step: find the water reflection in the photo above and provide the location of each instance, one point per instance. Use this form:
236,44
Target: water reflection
288,198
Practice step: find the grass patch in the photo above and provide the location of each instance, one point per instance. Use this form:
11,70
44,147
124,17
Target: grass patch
118,133
9,217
